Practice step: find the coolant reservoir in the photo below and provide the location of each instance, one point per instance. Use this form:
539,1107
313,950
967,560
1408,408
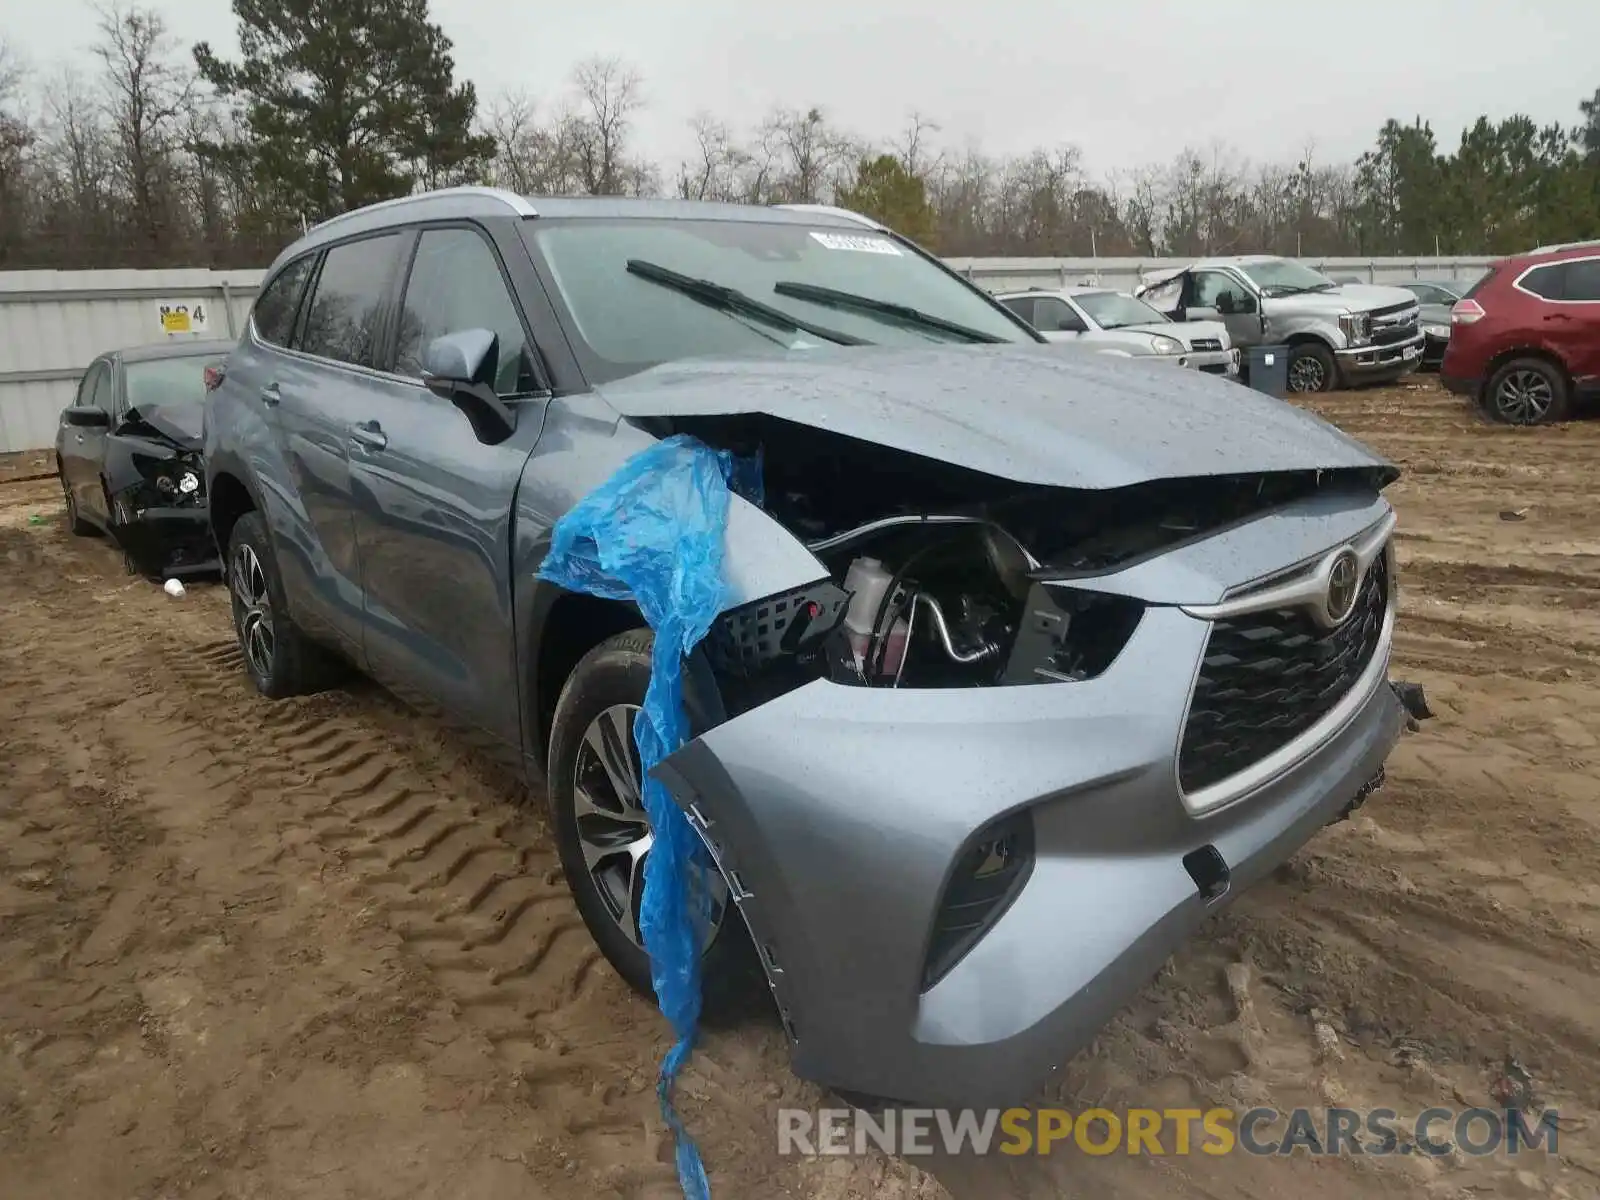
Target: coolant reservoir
866,581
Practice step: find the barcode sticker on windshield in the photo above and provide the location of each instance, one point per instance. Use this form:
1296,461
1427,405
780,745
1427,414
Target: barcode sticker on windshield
853,241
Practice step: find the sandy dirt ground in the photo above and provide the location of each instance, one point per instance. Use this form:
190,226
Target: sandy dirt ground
313,949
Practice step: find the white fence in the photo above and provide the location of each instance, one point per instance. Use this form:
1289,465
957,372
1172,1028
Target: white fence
52,323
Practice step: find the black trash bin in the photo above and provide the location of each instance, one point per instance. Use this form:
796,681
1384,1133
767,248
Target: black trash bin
1266,369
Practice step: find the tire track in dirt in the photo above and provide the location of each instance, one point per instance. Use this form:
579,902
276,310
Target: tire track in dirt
469,887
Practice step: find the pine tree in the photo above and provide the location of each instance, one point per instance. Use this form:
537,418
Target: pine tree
343,103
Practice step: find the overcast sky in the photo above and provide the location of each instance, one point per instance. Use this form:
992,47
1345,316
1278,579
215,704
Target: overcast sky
1128,81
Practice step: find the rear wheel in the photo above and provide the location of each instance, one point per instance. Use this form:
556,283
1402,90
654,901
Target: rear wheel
604,836
1311,368
1528,391
280,660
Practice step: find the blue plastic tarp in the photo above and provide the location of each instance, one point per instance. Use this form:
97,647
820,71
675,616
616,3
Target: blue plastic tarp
653,534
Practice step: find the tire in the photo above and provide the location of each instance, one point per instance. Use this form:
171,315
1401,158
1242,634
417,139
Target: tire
1312,369
592,712
1528,391
75,523
280,660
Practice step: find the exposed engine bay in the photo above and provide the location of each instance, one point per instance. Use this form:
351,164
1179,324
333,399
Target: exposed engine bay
936,571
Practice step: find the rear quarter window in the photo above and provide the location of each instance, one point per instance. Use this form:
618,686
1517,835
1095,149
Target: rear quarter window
279,301
1548,281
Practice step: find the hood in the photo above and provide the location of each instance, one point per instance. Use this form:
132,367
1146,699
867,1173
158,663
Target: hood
1364,297
179,424
1186,332
1026,413
1435,314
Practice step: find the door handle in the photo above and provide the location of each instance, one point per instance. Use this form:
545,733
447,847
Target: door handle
1558,316
369,435
271,396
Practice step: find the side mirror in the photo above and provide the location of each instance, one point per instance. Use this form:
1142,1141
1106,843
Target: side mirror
1225,304
87,416
1245,304
460,367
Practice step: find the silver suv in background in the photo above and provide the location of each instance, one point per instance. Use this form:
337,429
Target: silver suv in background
1337,333
1117,323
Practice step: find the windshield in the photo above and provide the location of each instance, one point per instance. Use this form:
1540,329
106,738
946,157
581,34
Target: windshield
1278,276
1113,310
627,321
169,380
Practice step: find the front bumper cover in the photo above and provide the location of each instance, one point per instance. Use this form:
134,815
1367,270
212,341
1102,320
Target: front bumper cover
171,542
1365,362
837,813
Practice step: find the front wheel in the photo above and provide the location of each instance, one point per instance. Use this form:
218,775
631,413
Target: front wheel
604,836
1528,391
1311,368
75,521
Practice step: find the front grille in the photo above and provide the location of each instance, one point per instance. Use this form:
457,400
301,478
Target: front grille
1385,335
1206,344
1391,309
1268,677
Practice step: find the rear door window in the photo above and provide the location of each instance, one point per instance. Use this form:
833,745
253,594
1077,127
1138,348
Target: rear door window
344,318
1022,306
1583,280
279,301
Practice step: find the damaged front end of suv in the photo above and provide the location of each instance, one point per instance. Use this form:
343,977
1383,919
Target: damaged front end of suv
1013,704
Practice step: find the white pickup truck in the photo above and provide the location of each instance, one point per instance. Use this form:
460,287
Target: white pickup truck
1337,333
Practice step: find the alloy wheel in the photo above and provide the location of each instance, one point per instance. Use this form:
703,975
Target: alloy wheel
614,830
1307,375
1524,397
249,586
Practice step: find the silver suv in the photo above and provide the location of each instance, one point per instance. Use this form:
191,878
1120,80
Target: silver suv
1026,663
1337,333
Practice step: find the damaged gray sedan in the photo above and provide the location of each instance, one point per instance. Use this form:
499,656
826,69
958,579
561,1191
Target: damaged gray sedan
1029,662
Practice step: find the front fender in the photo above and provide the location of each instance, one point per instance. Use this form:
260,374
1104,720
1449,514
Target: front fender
1282,327
583,444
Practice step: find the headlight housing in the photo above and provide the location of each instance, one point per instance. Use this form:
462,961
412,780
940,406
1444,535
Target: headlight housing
1357,328
1160,343
1438,331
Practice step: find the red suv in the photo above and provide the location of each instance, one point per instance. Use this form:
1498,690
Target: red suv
1525,340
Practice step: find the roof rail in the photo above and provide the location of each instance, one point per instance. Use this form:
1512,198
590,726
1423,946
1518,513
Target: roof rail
517,204
1559,246
833,210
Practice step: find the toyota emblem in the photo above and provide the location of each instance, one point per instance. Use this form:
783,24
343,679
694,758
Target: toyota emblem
1344,582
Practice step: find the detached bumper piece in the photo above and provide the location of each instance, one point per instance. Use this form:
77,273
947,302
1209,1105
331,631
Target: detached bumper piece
1414,701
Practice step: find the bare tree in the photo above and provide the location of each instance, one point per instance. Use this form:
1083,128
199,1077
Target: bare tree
913,149
807,153
609,94
148,99
17,137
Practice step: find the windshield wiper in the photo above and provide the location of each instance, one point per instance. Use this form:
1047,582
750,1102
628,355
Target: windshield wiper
732,300
883,308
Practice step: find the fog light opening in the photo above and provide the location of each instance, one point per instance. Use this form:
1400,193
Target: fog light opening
1209,872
